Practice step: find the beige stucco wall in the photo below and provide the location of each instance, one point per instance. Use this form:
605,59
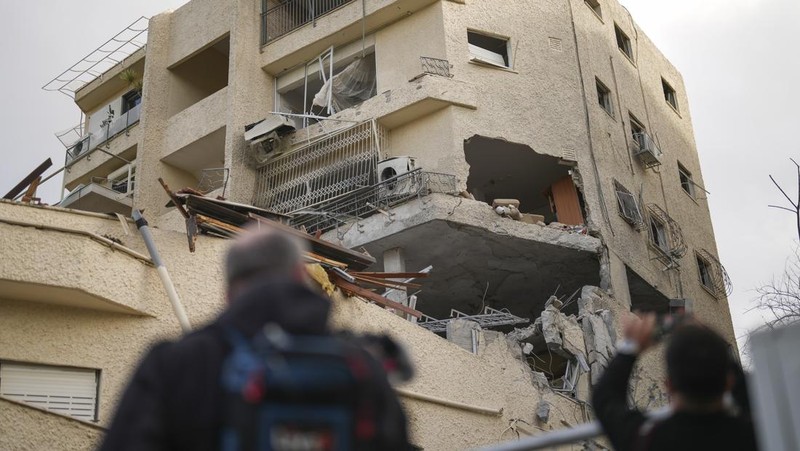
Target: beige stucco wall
43,430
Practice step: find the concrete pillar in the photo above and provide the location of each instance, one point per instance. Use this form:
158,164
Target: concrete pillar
394,261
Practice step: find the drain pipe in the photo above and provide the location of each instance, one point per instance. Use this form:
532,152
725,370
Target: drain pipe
177,307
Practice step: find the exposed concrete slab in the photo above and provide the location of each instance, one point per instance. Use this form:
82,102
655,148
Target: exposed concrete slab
470,246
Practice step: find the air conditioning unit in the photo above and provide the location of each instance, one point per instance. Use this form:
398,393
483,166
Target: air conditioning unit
389,175
646,150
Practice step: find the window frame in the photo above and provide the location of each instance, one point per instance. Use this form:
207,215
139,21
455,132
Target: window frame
637,221
670,94
705,277
596,8
689,182
476,58
658,229
623,42
605,92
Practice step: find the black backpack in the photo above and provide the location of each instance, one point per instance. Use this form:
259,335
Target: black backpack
299,393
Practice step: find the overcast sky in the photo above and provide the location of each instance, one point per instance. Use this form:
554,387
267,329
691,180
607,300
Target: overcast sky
739,58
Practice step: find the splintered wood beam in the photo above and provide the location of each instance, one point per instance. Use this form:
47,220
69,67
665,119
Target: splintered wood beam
174,198
386,283
31,193
391,275
28,179
356,290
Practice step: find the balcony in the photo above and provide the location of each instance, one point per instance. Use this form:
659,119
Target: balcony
646,150
107,132
282,18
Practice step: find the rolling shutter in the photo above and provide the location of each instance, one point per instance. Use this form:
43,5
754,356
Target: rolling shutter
68,391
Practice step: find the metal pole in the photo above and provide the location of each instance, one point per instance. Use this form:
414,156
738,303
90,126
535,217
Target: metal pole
177,307
564,436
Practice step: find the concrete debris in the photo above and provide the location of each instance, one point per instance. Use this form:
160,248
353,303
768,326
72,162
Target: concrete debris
579,229
464,333
540,381
543,411
599,344
527,349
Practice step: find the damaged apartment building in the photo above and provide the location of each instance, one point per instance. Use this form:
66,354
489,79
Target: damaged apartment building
530,167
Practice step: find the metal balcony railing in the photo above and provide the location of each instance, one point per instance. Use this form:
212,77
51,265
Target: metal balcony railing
373,199
112,128
285,16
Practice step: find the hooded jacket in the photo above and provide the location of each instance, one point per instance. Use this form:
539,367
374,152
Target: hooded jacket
174,400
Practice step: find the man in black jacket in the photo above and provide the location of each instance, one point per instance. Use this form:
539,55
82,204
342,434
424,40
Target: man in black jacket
175,399
699,372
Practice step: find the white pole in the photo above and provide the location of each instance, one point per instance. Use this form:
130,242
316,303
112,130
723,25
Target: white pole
177,307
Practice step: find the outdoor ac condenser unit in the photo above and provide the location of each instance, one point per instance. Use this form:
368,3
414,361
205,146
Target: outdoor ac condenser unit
392,168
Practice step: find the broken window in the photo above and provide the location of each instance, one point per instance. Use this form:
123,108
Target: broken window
712,275
623,42
326,85
669,94
658,234
595,6
686,180
628,205
604,97
487,49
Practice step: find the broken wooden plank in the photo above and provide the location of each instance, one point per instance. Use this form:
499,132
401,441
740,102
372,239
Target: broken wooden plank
386,283
174,199
356,290
30,195
391,275
323,260
28,179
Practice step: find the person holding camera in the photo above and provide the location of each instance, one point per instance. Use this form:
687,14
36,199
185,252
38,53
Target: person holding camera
700,371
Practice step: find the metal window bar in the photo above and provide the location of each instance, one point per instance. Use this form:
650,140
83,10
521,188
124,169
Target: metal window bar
435,66
278,19
95,64
676,246
378,198
330,166
490,318
110,130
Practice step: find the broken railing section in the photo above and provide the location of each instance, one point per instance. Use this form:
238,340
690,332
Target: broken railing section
489,318
435,66
369,200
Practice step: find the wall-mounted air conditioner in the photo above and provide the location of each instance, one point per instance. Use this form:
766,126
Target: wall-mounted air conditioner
391,176
646,150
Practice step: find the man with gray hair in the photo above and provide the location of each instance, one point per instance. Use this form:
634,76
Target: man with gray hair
175,399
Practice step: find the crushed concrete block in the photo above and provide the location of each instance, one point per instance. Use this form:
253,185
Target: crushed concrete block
599,344
460,332
527,349
531,218
550,328
540,381
572,336
543,411
590,300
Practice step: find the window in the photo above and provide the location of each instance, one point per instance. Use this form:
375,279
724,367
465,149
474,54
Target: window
488,49
686,180
637,131
68,391
658,234
669,94
623,42
595,6
628,206
131,100
604,97
705,271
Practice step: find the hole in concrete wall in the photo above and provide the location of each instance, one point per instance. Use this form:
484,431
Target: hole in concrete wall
199,76
501,170
645,297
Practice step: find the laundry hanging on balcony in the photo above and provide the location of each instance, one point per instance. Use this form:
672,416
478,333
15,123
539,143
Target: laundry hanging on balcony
353,85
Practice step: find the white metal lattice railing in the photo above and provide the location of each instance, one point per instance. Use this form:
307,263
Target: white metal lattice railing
327,167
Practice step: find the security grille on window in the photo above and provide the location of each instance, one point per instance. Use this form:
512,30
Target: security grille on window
623,42
604,97
669,94
712,275
68,391
658,234
490,50
687,184
665,236
628,206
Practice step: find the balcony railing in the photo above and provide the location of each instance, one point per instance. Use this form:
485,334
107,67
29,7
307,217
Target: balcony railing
112,128
378,198
289,15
